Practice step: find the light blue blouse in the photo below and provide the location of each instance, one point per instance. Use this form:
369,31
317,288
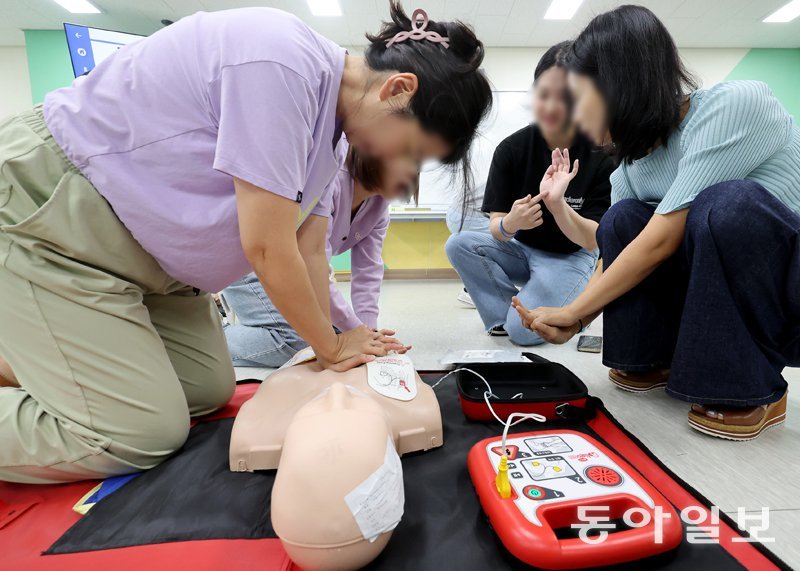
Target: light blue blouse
734,130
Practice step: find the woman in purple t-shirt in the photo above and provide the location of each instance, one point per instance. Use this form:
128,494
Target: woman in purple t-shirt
178,165
359,200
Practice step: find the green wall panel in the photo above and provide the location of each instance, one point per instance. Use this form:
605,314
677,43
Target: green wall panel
780,68
49,65
341,263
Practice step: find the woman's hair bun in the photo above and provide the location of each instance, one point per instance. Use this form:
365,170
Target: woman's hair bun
453,95
465,44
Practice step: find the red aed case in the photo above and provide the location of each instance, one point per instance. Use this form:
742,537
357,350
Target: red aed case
561,479
537,387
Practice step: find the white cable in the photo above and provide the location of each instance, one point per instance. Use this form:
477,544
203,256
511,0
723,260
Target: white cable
488,387
520,416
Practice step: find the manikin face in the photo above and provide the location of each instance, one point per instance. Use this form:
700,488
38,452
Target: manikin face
590,111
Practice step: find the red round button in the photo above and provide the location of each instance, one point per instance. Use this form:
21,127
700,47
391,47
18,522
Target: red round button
603,475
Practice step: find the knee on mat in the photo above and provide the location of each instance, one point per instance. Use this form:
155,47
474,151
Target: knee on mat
155,440
217,389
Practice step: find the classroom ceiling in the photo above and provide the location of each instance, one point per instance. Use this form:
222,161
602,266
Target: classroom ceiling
693,23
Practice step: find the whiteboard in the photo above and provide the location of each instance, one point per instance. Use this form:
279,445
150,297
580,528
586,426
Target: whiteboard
511,111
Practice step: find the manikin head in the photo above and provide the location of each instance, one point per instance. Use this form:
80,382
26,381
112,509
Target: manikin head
332,447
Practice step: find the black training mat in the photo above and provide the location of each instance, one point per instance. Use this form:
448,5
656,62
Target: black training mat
194,496
444,527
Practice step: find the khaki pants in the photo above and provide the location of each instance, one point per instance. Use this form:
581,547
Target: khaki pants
112,355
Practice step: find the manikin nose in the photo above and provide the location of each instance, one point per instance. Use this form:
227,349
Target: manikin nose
339,396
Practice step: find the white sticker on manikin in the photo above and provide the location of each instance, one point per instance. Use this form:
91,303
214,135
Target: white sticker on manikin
377,502
393,376
302,356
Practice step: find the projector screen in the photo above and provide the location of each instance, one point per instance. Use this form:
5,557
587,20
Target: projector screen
90,46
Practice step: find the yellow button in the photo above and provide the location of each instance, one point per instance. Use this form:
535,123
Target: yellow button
556,469
535,463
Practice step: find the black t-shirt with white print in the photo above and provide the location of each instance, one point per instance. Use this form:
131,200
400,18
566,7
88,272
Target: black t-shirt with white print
518,165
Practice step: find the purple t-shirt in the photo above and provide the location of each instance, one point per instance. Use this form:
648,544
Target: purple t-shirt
363,235
162,126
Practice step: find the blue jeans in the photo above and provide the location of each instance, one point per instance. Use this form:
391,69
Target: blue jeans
263,337
474,220
491,270
723,313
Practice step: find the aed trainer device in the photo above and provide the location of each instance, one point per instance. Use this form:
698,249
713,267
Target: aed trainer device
540,387
559,481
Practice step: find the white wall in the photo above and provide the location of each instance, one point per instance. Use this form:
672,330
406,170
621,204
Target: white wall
511,69
712,65
15,85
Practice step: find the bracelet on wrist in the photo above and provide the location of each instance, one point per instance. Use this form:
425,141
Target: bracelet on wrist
503,230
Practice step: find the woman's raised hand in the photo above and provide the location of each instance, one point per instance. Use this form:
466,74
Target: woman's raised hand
557,177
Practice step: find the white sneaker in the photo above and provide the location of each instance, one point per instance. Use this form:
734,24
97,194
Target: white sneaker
465,298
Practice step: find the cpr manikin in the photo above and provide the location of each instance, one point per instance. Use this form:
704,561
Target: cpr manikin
335,439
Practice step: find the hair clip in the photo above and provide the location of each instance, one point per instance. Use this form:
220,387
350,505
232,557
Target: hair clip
419,21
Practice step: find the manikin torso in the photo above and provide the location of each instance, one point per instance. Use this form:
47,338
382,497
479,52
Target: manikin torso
335,441
262,422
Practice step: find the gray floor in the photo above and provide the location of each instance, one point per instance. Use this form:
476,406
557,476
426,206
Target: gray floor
751,475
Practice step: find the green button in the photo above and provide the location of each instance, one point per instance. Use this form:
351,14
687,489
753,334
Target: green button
535,493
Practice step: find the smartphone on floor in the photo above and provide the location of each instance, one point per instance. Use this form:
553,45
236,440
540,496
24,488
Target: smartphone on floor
590,344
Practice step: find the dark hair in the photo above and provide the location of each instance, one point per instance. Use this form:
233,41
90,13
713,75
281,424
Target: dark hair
555,56
453,95
370,172
634,63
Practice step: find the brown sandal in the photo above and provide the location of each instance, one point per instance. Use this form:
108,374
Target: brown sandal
737,423
7,377
639,382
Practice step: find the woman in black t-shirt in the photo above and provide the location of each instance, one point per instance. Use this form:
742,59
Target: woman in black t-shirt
544,214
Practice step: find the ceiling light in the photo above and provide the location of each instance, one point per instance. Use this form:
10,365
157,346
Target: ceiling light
78,6
786,13
562,9
325,7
